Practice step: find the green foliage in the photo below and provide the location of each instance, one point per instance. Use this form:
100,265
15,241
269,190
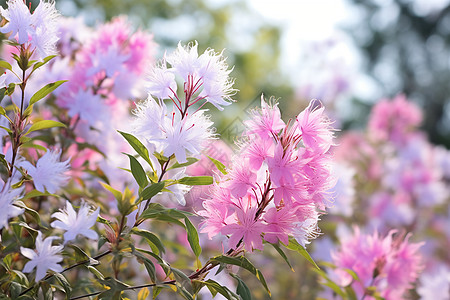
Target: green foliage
244,263
47,89
295,246
137,146
220,166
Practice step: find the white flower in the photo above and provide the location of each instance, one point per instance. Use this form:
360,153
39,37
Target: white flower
45,22
19,20
150,121
188,135
184,60
75,224
161,82
41,26
44,258
7,209
49,172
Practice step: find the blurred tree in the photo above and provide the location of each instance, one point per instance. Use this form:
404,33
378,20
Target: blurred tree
407,46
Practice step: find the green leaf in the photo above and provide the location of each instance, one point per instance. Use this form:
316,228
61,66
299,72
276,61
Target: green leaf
34,146
96,272
283,255
2,111
149,266
138,147
350,293
6,65
43,62
138,171
295,246
44,124
164,265
330,283
192,236
243,262
158,212
65,284
224,291
152,190
219,165
242,289
196,180
190,161
45,91
10,89
150,238
143,294
34,214
156,291
116,193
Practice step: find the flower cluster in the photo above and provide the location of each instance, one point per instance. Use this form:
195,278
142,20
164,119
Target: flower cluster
277,183
180,132
37,30
391,263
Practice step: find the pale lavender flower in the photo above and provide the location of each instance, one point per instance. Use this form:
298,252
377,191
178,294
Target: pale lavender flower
48,174
87,106
76,223
39,29
44,257
19,20
7,209
45,23
161,82
188,136
436,285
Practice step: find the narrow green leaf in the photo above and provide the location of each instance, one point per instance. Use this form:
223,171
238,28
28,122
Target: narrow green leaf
283,255
34,214
152,190
295,246
143,294
137,146
190,161
2,111
224,291
138,171
45,91
43,62
149,266
44,124
219,165
243,262
65,284
6,65
116,193
350,293
242,289
196,180
150,238
192,236
96,272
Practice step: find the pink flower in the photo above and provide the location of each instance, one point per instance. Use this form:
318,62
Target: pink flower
245,227
394,120
241,179
390,263
315,127
279,224
266,122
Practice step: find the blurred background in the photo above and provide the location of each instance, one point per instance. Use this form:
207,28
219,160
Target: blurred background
347,53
